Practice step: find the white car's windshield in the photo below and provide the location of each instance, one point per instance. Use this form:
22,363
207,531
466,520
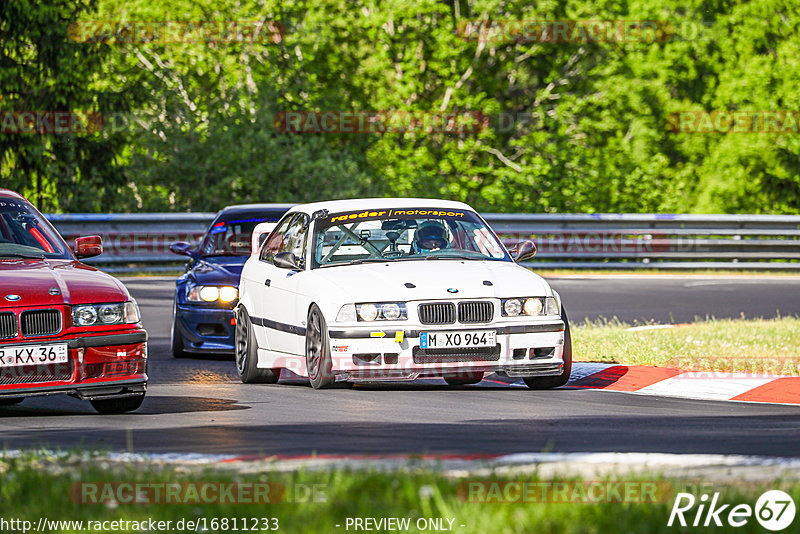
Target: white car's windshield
403,235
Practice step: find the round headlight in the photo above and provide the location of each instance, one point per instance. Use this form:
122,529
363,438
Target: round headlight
84,316
110,313
391,312
367,312
209,293
228,294
533,307
512,307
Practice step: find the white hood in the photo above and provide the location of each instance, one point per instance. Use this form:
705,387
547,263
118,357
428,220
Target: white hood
432,278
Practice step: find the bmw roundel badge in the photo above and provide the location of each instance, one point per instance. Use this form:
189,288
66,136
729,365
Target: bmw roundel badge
452,290
13,298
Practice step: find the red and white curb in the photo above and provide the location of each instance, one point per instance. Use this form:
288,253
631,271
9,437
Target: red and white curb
544,463
669,382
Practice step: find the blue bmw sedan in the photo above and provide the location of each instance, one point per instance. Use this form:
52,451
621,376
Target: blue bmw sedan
207,292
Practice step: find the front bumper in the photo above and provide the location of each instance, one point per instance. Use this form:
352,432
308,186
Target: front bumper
205,329
109,364
521,350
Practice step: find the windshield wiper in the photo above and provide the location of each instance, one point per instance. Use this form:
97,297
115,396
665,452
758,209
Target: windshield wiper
451,257
368,260
355,262
23,256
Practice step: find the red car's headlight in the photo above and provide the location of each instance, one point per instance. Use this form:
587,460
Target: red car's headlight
106,314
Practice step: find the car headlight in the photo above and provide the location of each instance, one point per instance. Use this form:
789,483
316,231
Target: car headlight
347,314
380,311
228,294
367,312
105,314
512,307
530,306
110,313
132,314
213,294
533,307
551,306
84,315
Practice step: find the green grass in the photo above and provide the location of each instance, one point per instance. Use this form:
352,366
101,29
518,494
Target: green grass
723,345
32,489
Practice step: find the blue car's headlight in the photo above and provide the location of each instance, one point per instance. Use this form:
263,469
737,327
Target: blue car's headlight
210,294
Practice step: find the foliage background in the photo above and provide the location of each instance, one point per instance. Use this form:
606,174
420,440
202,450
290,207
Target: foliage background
191,124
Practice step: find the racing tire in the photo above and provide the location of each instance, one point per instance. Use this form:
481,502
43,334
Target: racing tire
318,350
10,401
550,382
247,354
117,405
464,379
175,338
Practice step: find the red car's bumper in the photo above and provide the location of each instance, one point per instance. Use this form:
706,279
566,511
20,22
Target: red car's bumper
108,364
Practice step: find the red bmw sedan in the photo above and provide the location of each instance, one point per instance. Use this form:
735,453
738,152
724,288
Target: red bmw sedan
65,327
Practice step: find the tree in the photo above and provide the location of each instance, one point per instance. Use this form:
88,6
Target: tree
45,75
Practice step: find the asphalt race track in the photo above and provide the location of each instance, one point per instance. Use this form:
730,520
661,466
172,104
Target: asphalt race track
199,405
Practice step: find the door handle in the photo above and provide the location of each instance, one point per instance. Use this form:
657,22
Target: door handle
267,282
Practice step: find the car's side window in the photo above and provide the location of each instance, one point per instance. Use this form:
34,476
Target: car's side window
275,241
294,240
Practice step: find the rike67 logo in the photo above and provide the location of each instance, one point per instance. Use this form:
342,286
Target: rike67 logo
774,510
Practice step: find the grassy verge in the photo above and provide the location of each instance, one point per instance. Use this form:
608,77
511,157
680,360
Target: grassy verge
319,501
726,345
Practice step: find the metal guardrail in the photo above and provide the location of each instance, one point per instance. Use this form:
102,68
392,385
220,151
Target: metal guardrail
596,241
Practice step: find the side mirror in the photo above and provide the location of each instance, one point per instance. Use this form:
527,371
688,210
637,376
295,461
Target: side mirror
524,251
286,260
88,246
181,248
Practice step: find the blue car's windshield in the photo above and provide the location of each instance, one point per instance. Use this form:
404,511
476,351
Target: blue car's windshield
403,234
232,237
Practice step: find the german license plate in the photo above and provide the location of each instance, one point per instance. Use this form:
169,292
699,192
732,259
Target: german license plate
17,355
461,339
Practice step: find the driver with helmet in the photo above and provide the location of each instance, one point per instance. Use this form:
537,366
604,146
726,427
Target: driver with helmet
429,237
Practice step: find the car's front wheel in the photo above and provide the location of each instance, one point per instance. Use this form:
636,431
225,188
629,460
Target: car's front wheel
318,350
118,405
176,339
550,382
247,354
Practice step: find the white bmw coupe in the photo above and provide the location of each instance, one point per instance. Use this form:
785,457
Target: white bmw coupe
396,289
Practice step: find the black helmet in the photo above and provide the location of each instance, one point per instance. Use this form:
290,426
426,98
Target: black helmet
430,235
